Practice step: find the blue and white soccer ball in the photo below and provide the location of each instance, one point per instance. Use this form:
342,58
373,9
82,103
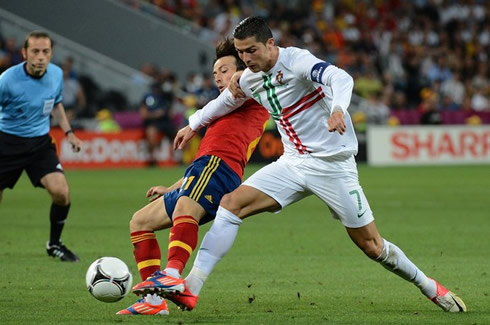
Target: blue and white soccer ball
108,279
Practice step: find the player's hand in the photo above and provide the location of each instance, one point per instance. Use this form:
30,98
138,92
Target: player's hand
234,85
155,192
76,143
183,137
336,122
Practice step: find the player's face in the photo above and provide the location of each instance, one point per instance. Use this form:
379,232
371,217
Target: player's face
256,55
38,54
223,70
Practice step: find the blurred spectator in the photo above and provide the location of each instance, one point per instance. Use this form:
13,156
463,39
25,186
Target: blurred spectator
479,101
105,122
375,110
448,104
74,99
428,108
207,92
156,112
453,88
13,51
68,65
368,84
4,56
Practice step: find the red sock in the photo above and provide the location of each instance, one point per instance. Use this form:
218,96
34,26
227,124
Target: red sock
183,240
146,252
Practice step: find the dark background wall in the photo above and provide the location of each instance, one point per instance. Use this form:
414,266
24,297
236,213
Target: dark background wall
118,32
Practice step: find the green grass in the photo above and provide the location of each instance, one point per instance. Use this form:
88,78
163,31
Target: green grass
296,267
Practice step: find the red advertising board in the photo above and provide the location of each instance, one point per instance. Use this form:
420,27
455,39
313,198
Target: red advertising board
126,149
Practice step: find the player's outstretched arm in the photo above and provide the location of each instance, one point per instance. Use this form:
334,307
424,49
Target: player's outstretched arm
218,107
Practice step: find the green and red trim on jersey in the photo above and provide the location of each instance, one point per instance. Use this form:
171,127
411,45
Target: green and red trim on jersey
304,103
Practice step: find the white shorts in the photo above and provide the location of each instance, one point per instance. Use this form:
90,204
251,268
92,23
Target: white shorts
334,181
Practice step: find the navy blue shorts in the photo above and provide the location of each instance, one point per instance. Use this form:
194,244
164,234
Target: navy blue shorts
206,180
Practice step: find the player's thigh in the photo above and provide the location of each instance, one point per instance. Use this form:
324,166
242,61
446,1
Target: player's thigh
151,217
206,180
271,188
339,188
246,201
188,207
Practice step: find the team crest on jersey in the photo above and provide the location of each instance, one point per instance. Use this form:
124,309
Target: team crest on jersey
279,77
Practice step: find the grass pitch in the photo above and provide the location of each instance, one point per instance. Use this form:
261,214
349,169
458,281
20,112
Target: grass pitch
296,267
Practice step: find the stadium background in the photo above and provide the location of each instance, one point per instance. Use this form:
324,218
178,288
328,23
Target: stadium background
422,97
414,63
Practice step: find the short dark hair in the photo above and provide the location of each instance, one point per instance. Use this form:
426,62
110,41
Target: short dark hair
37,34
227,48
253,26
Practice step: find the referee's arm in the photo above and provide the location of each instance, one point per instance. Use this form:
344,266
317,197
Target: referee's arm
60,116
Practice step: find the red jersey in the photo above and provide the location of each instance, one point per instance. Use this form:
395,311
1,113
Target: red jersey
234,136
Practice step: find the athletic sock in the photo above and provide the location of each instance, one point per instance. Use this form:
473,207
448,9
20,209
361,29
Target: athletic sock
153,299
146,252
393,259
216,243
182,242
57,217
172,272
195,280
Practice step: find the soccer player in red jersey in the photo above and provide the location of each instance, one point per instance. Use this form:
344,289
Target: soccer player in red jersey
194,199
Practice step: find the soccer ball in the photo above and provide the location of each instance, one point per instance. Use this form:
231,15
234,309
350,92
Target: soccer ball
108,279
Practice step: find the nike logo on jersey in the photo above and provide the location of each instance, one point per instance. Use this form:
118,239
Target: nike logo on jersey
360,215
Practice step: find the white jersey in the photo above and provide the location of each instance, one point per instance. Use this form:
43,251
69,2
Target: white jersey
299,92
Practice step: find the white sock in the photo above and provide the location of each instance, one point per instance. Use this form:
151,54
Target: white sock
172,272
393,259
216,243
195,280
153,299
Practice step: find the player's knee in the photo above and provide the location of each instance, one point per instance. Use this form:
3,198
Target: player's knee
61,195
230,203
138,222
371,247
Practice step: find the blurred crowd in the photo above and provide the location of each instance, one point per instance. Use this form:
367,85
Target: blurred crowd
425,57
422,55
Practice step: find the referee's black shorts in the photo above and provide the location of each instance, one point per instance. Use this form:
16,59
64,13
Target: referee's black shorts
37,156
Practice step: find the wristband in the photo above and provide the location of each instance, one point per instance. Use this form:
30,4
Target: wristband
68,132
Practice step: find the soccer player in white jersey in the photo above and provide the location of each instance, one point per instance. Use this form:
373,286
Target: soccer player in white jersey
308,99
